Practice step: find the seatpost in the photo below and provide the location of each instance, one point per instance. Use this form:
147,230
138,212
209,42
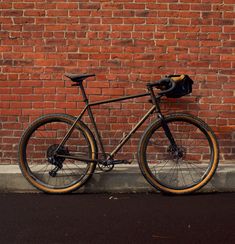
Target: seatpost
85,99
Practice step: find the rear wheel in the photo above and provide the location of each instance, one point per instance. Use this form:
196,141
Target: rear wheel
56,174
183,169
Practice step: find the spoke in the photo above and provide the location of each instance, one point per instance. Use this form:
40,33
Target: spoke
65,173
178,173
173,173
202,171
163,166
33,165
49,178
182,175
63,177
78,166
196,166
45,171
168,173
42,168
56,180
190,172
73,172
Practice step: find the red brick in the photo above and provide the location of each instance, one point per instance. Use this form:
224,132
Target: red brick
127,44
114,91
56,13
22,90
67,5
24,20
23,5
44,90
229,100
11,112
179,6
95,6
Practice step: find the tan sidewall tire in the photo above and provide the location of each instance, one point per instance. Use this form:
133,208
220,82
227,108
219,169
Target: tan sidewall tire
69,119
143,165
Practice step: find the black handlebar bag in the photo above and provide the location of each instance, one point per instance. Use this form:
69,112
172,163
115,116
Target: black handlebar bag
182,87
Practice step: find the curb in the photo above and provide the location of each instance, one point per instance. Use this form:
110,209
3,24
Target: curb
122,179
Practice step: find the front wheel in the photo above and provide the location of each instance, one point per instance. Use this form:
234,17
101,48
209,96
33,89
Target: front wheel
183,169
39,145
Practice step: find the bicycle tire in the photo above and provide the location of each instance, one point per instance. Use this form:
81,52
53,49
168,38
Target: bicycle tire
169,173
37,144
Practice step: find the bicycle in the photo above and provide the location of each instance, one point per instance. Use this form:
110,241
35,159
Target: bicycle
177,153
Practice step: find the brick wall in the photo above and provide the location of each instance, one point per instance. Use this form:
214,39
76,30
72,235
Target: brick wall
127,44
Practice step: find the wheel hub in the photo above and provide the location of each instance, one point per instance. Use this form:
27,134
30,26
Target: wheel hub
55,160
177,153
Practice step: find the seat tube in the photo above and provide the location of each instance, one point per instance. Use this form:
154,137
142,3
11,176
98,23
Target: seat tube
96,131
92,120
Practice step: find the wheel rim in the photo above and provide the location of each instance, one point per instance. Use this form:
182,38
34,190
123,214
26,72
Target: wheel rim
39,144
187,169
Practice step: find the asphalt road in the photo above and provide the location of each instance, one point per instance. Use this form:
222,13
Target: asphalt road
119,218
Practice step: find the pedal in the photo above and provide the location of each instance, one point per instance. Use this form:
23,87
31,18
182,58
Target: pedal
127,162
121,162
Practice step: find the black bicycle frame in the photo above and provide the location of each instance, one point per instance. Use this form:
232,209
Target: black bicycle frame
155,101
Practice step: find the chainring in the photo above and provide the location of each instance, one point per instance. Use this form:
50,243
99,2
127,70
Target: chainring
105,168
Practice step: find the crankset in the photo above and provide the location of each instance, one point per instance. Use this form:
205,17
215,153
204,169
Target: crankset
105,168
108,165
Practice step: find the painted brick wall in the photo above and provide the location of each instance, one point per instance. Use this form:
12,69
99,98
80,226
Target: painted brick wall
127,44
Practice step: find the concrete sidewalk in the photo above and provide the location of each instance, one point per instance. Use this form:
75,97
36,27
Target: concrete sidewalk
121,179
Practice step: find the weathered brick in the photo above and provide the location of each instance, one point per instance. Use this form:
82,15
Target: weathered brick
127,44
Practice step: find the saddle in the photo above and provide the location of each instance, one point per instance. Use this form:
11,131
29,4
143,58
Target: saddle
77,77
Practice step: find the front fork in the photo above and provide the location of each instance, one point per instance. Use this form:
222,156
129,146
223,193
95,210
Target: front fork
167,131
156,101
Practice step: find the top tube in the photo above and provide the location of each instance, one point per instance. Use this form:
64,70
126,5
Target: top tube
119,99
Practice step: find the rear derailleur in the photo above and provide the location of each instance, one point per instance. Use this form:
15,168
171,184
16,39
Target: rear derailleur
55,160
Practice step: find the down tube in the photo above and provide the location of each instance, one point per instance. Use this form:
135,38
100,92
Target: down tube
126,138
